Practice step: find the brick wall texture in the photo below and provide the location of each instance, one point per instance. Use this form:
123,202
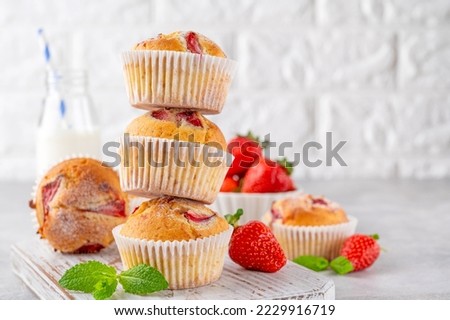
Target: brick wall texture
376,73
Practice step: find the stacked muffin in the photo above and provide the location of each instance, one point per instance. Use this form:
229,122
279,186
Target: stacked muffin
175,154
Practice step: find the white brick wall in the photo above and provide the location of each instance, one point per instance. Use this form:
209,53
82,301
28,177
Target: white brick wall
374,72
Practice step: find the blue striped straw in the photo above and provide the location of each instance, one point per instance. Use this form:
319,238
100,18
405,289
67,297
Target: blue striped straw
50,67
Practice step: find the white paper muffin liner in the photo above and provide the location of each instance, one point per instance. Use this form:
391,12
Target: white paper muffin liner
324,241
171,167
253,204
184,264
177,79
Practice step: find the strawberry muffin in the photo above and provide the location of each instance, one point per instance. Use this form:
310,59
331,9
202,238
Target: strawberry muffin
173,152
183,239
310,225
78,203
180,69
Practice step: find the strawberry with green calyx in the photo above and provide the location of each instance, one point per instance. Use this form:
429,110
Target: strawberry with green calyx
263,143
254,247
267,176
312,262
358,252
287,165
246,150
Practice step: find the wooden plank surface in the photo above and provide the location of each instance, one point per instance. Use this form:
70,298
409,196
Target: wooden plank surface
41,268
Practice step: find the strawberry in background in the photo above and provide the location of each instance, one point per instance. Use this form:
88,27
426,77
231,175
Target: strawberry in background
246,150
251,172
230,184
268,176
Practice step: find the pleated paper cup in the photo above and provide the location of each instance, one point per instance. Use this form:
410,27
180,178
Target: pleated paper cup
177,79
253,204
184,264
324,241
156,166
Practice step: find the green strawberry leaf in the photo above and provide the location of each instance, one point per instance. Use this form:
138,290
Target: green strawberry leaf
312,262
289,166
142,279
341,265
104,288
86,276
250,136
233,219
264,144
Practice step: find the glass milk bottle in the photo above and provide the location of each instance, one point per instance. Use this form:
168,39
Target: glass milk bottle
67,124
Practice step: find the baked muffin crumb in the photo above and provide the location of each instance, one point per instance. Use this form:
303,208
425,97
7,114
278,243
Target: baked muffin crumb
78,202
173,219
184,41
307,210
179,124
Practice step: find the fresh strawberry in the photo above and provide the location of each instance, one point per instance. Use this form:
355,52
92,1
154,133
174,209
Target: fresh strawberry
246,150
358,252
254,247
230,184
267,176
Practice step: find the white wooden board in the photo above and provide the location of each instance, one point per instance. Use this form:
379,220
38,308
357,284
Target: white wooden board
41,268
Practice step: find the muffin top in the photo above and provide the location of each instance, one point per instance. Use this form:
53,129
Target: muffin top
82,184
177,124
184,41
170,219
307,210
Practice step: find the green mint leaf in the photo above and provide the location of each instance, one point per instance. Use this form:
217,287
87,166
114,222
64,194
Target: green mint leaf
341,265
233,218
104,288
375,236
85,276
142,279
312,262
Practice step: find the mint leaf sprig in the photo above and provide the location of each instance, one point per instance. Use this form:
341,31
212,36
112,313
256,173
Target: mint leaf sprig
312,262
101,280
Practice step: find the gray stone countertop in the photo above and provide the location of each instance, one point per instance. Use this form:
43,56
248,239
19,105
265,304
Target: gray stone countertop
411,217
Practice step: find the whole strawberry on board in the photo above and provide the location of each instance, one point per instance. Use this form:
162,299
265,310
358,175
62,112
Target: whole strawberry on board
268,176
246,150
358,252
254,247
